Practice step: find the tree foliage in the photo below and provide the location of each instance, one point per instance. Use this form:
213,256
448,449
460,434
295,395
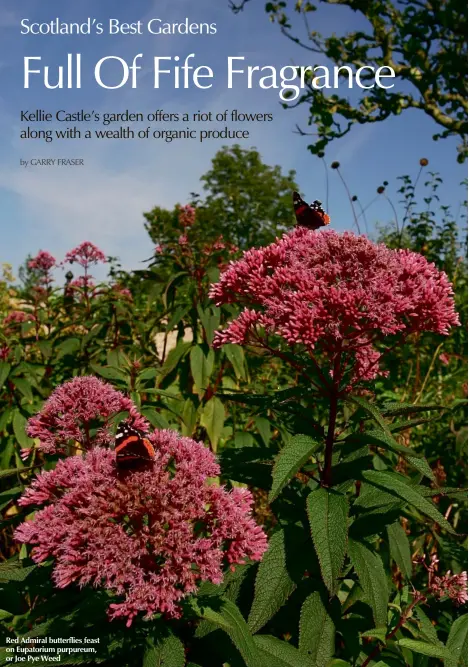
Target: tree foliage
245,201
425,43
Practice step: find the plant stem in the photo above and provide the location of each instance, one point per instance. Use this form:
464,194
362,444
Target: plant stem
403,618
326,473
334,398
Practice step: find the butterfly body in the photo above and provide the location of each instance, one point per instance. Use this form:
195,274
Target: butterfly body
311,216
132,448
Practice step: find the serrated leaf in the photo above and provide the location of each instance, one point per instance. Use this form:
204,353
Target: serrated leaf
372,577
397,427
391,483
4,372
213,419
273,583
395,409
457,643
168,652
279,653
317,631
400,548
328,520
375,633
371,409
383,440
425,648
228,617
290,460
427,630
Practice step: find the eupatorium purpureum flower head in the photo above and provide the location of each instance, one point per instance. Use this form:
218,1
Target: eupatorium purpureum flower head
149,536
333,294
71,414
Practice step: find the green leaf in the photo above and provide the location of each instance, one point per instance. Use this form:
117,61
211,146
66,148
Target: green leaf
395,409
155,418
4,372
457,643
19,429
290,460
371,409
174,357
168,652
228,617
213,419
427,630
8,495
110,372
400,548
372,577
375,633
210,319
381,439
11,471
263,426
432,650
273,583
279,653
67,346
171,283
23,387
12,570
147,374
189,417
178,315
235,355
328,520
201,368
393,484
317,631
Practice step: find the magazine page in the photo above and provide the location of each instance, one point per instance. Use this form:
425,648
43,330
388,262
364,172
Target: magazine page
233,333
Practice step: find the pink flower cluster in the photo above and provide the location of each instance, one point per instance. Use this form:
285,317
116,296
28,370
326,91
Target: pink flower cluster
43,261
85,254
333,293
70,414
186,216
452,586
17,317
83,282
149,536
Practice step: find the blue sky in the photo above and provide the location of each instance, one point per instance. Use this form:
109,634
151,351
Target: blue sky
103,202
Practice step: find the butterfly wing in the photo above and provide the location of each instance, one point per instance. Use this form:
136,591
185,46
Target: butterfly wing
310,216
133,449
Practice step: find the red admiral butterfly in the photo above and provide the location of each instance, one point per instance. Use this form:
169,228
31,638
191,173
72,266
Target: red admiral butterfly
132,447
311,216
